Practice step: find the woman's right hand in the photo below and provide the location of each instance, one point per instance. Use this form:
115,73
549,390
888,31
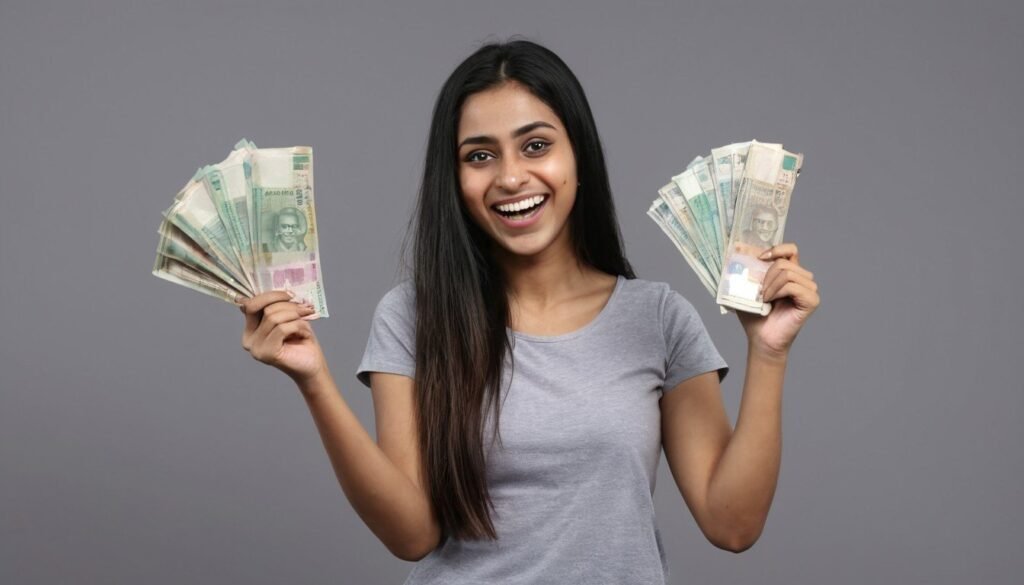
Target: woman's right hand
277,334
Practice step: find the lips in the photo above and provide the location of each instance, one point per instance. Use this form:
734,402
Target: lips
521,211
520,206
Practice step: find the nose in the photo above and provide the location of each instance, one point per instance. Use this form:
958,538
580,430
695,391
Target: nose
511,176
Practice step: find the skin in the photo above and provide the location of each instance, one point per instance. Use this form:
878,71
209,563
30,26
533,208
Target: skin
726,476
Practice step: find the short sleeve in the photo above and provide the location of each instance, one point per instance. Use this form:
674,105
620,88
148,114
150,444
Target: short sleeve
688,347
392,342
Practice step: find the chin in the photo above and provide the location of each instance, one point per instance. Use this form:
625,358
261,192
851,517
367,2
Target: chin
526,245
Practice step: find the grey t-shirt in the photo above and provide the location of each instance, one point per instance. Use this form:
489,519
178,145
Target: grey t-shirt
573,476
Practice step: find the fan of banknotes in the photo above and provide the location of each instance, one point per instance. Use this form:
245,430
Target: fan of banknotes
246,225
723,211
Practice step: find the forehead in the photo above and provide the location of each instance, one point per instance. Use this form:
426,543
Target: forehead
501,110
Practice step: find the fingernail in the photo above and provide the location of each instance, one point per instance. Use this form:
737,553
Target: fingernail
290,293
766,255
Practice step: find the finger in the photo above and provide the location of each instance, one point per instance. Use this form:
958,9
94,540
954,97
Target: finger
783,250
260,301
254,306
304,311
781,266
784,278
287,313
284,306
802,296
277,337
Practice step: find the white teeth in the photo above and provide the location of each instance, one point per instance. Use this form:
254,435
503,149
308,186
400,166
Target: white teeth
524,204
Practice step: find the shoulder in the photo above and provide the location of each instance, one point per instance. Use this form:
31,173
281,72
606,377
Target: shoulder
403,293
655,296
398,303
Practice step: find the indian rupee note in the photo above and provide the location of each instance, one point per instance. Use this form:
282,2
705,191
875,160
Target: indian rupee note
662,215
704,172
721,166
702,208
673,196
285,245
178,272
762,207
175,244
228,183
195,213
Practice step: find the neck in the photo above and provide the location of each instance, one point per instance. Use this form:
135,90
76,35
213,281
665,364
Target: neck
546,278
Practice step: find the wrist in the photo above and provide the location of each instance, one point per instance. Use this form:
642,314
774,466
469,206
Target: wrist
766,354
315,385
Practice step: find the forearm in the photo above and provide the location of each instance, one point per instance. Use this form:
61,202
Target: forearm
744,481
387,501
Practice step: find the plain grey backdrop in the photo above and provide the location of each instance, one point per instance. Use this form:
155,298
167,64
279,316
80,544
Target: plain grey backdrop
140,444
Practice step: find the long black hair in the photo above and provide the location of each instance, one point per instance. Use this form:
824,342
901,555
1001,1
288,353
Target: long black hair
461,303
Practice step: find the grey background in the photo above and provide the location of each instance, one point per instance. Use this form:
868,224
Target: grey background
139,443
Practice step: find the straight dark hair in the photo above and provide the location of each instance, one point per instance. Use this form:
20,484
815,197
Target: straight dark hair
461,302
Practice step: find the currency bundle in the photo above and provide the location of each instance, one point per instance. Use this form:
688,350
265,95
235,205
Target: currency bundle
723,211
244,226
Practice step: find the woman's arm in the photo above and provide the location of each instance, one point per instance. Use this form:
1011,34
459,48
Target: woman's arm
728,478
382,482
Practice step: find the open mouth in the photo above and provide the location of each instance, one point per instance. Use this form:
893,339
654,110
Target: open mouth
522,209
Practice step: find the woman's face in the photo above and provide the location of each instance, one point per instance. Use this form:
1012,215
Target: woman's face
517,169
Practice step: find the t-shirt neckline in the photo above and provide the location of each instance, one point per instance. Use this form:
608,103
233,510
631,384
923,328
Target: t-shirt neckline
607,308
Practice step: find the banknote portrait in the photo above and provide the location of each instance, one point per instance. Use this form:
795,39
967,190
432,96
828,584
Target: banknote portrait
287,232
760,232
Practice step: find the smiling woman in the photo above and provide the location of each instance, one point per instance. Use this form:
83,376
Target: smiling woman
524,380
518,181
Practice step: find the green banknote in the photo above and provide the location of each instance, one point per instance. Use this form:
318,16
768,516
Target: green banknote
228,183
662,215
702,205
195,214
285,245
673,196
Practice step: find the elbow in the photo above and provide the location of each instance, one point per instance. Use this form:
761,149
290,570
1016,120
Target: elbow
410,556
413,550
739,541
738,545
737,536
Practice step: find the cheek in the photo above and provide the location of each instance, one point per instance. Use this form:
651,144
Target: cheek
474,186
560,173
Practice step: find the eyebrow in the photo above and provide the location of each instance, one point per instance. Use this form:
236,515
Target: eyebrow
519,132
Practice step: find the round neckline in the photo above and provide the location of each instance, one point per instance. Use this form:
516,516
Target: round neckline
619,280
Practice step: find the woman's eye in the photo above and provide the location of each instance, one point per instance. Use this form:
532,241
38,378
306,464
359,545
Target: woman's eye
478,156
536,146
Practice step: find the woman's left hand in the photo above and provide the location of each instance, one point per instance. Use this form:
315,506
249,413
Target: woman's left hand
794,296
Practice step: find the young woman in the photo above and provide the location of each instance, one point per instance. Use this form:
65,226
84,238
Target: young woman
524,381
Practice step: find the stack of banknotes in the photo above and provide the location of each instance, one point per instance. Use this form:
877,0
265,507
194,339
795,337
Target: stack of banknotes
244,226
724,211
